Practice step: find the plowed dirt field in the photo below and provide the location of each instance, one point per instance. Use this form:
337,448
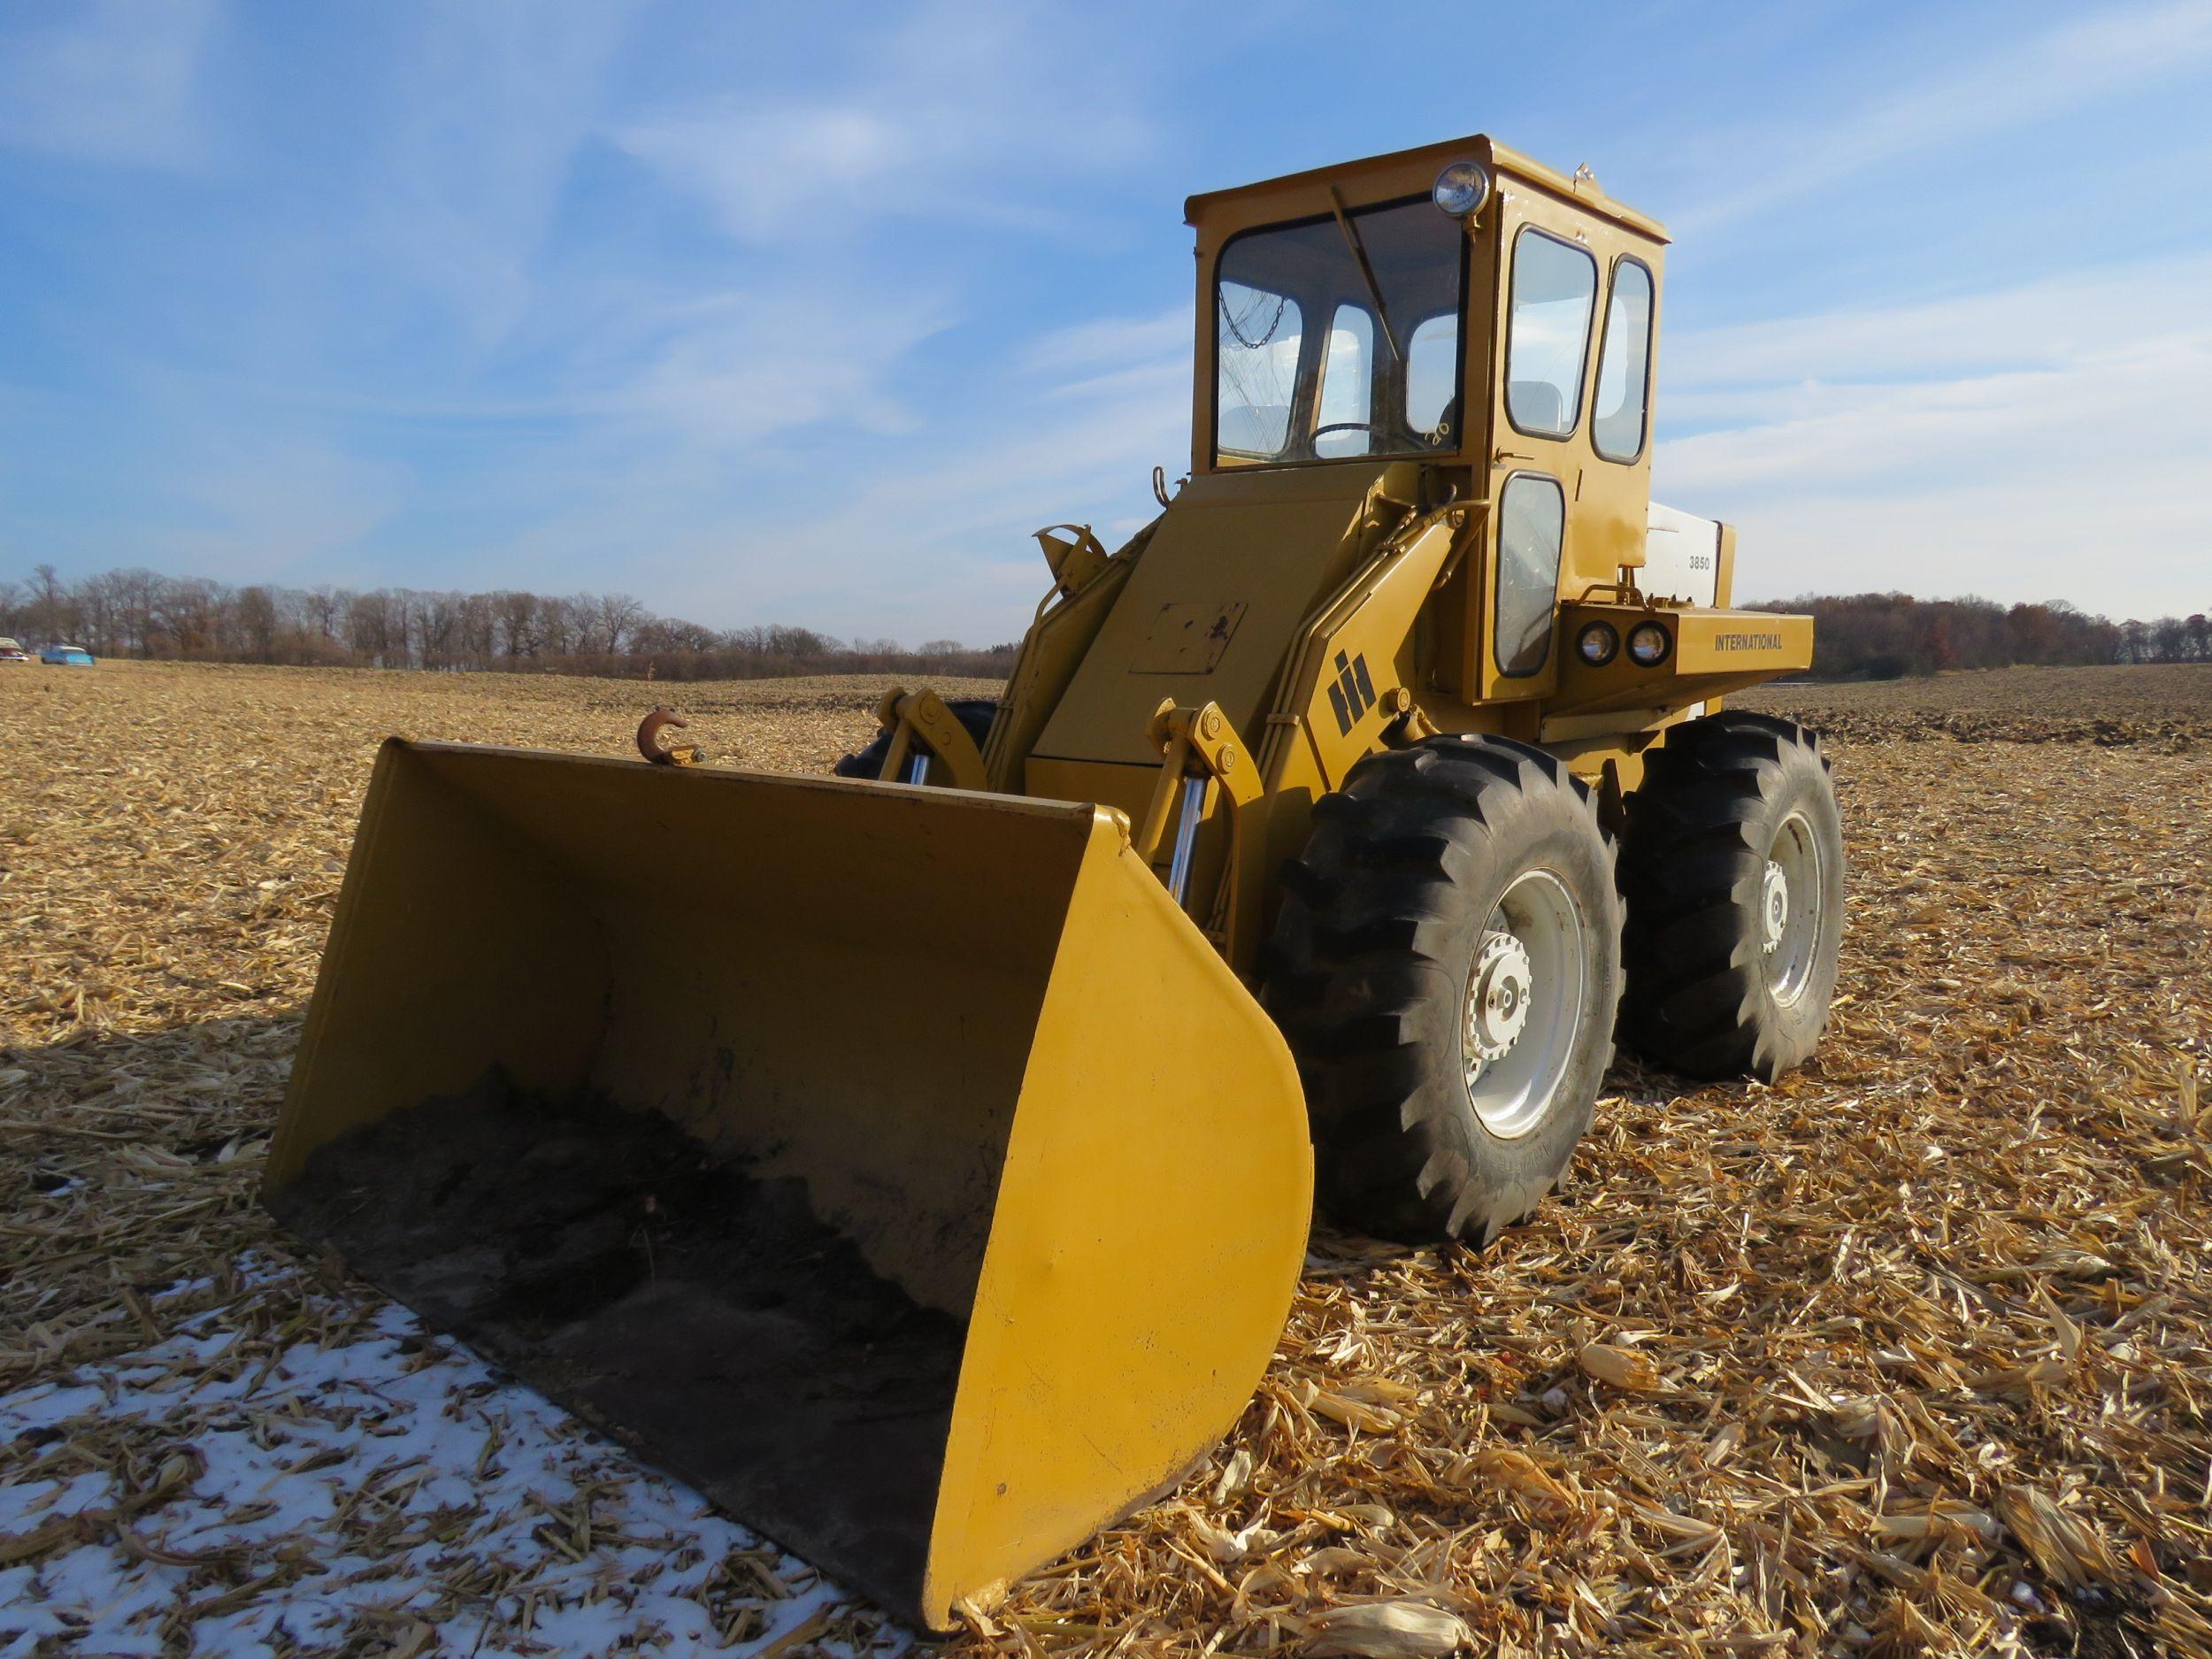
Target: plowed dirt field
1905,1353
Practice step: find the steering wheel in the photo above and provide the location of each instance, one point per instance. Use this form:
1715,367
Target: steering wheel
1435,437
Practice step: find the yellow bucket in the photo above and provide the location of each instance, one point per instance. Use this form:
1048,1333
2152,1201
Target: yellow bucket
898,1166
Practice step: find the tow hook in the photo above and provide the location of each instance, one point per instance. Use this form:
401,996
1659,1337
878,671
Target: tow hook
649,745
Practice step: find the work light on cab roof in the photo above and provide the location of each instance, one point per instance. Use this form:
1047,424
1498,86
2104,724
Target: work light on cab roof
1461,189
1324,835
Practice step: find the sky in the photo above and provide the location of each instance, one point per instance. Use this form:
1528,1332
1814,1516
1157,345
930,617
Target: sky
810,314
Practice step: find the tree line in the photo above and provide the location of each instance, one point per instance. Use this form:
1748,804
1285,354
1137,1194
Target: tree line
1886,636
142,614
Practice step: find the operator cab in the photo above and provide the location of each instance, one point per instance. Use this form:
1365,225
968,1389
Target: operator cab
1468,310
1358,310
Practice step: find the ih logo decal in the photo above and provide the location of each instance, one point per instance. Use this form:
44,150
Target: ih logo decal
1351,694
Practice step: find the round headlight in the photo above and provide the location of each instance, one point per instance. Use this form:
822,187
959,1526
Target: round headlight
1648,644
1597,644
1462,187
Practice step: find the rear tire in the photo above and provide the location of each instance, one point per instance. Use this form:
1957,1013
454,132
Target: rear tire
975,713
1733,868
1446,966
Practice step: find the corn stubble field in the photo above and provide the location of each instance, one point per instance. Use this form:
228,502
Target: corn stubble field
1904,1355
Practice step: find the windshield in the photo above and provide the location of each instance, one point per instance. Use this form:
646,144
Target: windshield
1340,338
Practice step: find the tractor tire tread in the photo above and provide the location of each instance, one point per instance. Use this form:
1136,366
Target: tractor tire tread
1690,864
1358,952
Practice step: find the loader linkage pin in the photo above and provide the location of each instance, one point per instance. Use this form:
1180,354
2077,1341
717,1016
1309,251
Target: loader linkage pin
1199,747
923,727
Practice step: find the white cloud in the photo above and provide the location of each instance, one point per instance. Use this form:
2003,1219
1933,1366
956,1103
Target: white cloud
282,507
1112,343
2033,80
1092,408
918,536
2049,321
2049,441
111,81
941,548
746,366
944,116
738,433
773,164
490,103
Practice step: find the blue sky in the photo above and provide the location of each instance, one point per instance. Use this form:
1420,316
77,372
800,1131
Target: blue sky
810,314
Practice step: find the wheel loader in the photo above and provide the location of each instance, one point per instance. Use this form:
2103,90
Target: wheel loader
920,1161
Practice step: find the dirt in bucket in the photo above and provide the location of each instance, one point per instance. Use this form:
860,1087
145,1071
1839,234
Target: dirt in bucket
701,1314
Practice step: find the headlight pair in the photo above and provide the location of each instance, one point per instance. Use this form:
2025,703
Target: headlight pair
1599,642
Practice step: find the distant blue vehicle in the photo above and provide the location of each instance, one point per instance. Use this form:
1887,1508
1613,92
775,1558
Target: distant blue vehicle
66,656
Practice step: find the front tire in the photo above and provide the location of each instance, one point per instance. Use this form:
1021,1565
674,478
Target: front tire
1733,868
1446,965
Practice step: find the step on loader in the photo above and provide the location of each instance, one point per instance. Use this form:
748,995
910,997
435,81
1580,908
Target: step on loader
920,1161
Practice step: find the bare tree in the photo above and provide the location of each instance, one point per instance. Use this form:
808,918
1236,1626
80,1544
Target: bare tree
52,612
784,640
258,621
615,615
516,616
99,613
188,610
138,594
369,627
657,634
322,608
479,633
438,626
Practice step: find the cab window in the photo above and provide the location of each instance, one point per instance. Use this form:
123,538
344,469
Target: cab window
1555,291
1371,284
1531,519
1348,386
1433,378
1617,420
1257,353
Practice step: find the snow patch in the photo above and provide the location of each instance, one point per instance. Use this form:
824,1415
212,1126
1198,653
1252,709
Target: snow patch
364,1479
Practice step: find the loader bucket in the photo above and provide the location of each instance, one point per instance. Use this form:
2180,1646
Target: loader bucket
898,1166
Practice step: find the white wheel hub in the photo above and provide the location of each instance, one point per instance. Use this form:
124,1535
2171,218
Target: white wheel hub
1793,902
1497,1009
1774,908
1525,987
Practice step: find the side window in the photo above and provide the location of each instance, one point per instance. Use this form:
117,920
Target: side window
1433,375
1348,386
1258,354
1555,292
1616,425
1531,517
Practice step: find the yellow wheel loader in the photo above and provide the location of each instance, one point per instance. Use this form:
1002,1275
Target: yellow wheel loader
920,1162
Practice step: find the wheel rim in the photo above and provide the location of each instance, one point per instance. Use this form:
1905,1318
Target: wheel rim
1524,1004
1790,908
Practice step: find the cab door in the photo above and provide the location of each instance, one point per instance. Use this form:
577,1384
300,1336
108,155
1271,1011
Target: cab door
1548,290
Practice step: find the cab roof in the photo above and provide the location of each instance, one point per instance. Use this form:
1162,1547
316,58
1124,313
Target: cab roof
1398,174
